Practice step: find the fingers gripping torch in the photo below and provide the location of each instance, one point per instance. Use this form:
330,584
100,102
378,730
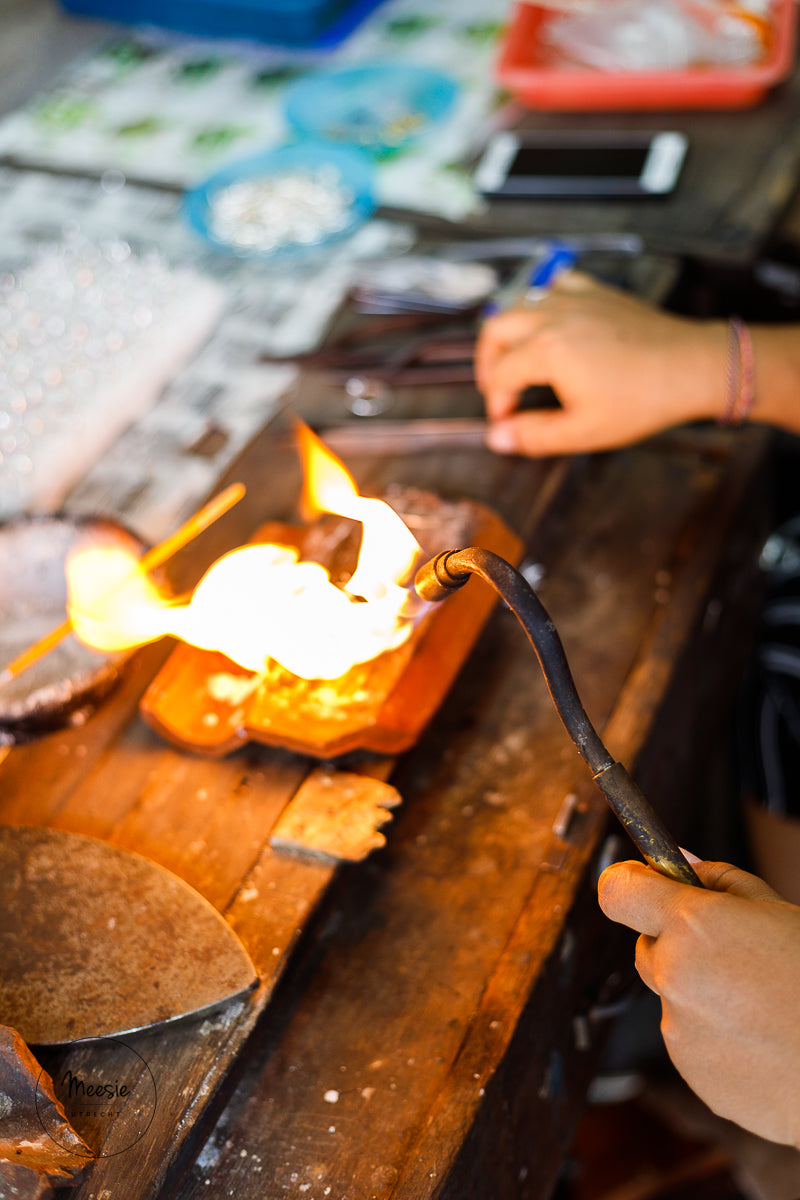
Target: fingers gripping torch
450,570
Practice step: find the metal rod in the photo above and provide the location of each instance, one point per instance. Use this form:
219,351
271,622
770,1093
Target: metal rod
451,570
362,436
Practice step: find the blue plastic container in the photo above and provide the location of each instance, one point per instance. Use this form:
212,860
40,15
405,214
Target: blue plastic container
307,23
381,107
352,172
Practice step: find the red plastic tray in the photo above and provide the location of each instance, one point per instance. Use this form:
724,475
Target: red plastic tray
531,71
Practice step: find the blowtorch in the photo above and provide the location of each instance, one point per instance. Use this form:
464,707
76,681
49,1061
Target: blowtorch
450,570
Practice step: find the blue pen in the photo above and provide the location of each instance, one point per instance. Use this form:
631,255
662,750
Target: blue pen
559,257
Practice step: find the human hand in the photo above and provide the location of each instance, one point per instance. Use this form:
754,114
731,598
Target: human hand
622,370
726,963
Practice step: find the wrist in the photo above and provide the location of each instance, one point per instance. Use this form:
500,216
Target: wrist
722,372
703,371
777,359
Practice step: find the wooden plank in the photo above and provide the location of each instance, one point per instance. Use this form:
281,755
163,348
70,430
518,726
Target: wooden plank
462,864
723,516
388,1058
183,816
336,815
210,822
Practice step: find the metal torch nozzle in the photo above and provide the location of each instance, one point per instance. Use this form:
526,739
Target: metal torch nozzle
450,570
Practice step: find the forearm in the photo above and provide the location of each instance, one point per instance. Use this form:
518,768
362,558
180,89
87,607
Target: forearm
699,361
777,376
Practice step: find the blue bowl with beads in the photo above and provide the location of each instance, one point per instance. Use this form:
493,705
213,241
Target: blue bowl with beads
382,108
283,203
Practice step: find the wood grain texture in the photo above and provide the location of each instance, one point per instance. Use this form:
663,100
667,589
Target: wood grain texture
336,815
431,989
448,1034
210,823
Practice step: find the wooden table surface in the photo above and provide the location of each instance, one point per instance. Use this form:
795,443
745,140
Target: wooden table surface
427,1021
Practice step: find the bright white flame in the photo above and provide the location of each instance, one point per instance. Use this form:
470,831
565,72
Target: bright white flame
389,550
259,602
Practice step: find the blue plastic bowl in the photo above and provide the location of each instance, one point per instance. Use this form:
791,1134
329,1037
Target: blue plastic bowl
342,174
380,108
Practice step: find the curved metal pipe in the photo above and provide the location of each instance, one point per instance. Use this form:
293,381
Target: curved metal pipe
449,571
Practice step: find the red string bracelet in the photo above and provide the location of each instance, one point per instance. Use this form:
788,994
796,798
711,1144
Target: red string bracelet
740,374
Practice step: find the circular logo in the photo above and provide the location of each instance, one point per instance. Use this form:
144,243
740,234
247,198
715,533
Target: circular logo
108,1095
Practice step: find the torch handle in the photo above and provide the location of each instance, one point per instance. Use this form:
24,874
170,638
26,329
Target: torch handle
645,828
451,570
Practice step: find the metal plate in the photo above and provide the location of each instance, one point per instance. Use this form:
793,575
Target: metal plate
97,941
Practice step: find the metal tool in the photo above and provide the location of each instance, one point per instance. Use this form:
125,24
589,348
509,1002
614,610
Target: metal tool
96,941
450,570
416,435
523,247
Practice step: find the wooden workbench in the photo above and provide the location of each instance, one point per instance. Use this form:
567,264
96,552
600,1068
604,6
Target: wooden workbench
427,1021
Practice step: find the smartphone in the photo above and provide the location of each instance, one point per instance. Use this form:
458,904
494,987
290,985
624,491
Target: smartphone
581,165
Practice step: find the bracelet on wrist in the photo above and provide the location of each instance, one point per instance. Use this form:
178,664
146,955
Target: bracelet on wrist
740,374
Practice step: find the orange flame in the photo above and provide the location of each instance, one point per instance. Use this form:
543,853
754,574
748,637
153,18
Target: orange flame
259,603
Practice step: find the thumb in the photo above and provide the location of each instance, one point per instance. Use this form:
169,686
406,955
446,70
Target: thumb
536,434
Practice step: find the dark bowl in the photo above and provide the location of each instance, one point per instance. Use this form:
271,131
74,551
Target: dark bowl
65,685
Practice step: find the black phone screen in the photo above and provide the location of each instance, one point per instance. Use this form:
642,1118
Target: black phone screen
575,162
